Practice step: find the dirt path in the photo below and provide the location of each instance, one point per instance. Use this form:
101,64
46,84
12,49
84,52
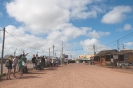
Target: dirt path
73,76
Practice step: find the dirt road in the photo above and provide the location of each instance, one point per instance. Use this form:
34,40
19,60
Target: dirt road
73,76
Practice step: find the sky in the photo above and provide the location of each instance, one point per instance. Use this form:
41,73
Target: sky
34,26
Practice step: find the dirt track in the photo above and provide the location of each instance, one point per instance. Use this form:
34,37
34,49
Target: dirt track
73,76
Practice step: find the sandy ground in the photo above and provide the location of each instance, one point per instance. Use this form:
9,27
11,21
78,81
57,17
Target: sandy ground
73,76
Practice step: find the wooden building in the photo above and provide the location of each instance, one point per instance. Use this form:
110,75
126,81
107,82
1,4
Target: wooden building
104,57
125,56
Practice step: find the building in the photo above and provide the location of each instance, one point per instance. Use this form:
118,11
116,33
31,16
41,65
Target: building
125,56
104,57
85,58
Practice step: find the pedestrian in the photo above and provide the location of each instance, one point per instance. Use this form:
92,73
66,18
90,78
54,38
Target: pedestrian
39,65
57,62
65,61
15,63
43,61
33,61
36,61
8,64
21,67
25,70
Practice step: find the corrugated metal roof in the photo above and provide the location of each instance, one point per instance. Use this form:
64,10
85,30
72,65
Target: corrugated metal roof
124,52
107,52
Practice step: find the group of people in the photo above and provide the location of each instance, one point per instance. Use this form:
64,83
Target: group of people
38,62
19,62
14,62
54,62
42,61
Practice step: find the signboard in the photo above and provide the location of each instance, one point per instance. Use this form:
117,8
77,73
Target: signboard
115,56
126,57
81,56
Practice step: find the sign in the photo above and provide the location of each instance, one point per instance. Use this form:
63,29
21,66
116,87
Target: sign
81,56
126,57
115,56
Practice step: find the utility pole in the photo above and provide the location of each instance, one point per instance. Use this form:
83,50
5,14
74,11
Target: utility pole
123,46
2,51
62,48
49,53
62,54
118,45
53,50
94,48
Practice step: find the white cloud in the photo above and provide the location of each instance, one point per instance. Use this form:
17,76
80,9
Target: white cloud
32,44
97,34
51,18
38,15
116,15
22,41
89,42
73,32
128,44
127,27
42,16
83,13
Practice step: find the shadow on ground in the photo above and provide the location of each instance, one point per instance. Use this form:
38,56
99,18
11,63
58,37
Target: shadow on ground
51,68
35,73
27,77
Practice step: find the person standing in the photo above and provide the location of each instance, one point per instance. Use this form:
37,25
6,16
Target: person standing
15,63
65,61
43,61
25,70
36,61
21,67
33,61
9,67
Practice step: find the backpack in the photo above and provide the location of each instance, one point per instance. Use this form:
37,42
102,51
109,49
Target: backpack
7,63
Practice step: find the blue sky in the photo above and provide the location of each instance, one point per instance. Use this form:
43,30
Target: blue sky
78,24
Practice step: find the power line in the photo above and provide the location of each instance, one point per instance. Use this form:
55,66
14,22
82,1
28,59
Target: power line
20,40
120,38
126,38
126,35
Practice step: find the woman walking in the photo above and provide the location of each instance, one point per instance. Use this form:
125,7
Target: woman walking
9,67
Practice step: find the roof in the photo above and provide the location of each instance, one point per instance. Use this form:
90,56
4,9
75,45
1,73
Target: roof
124,52
107,52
